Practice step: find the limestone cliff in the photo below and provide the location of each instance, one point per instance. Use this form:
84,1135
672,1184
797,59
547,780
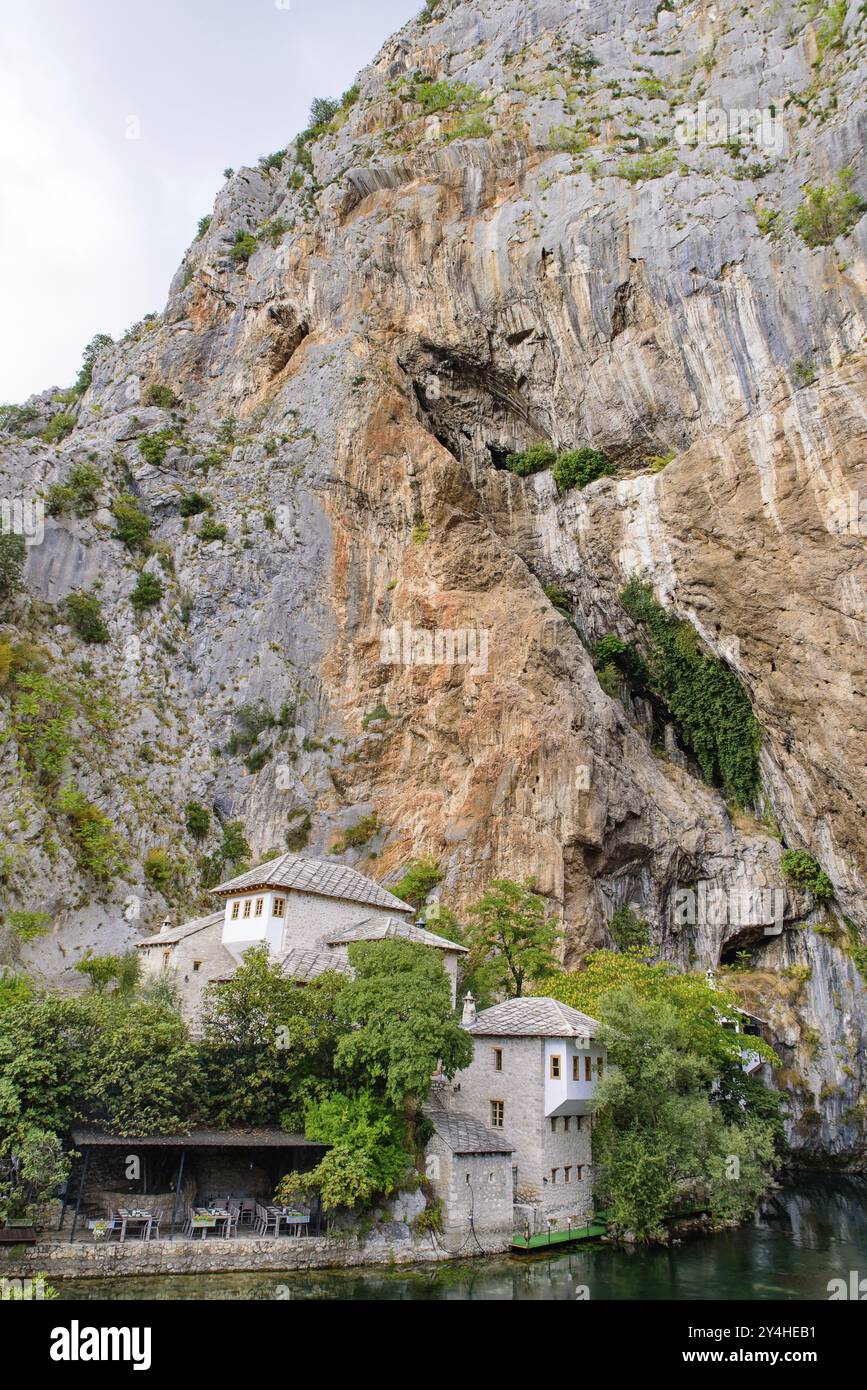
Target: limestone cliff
503,236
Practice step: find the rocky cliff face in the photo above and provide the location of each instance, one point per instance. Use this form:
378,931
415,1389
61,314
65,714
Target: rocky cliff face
532,221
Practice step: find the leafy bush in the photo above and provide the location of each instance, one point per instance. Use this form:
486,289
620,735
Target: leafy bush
581,60
274,231
198,820
579,467
85,612
350,96
132,525
645,166
420,531
444,96
612,651
557,595
154,447
629,931
162,396
242,248
204,224
267,162
298,834
533,460
652,87
97,848
566,138
58,427
147,593
418,882
13,553
704,696
158,867
358,835
827,213
193,504
802,372
27,926
803,871
211,530
473,128
78,495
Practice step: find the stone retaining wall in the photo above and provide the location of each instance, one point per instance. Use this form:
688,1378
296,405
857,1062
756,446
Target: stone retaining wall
93,1260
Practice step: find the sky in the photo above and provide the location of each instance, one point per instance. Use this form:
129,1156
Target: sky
117,120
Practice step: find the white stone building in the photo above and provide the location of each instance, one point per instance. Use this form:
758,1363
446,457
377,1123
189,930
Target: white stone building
531,1082
307,911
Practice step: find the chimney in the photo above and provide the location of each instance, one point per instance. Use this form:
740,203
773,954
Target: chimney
167,925
469,1014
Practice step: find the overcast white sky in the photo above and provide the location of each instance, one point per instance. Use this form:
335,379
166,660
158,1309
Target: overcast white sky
93,224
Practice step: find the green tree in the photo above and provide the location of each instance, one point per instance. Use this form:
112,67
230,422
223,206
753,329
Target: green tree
399,1020
511,940
102,971
420,878
142,1073
268,1044
660,1140
367,1159
33,1165
97,344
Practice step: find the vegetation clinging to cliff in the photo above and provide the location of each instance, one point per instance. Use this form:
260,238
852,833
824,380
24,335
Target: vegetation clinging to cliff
704,696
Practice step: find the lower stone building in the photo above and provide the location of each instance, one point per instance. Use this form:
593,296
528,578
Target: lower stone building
531,1082
469,1168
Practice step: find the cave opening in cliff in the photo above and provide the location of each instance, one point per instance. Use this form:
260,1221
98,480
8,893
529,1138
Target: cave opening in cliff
748,942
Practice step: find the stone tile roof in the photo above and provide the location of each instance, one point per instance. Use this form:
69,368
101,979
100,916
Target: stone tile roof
533,1018
373,929
306,965
465,1135
170,938
315,876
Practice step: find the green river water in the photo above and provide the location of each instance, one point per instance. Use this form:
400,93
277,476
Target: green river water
814,1231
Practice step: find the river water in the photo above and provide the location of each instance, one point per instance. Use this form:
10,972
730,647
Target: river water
811,1233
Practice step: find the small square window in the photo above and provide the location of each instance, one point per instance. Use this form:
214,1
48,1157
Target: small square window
260,903
600,1067
579,1173
236,908
567,1174
555,1068
248,907
553,1124
566,1123
588,1068
498,1111
279,907
197,965
498,1059
576,1068
554,1172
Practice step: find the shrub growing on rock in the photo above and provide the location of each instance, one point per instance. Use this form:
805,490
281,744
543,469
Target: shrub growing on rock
579,467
